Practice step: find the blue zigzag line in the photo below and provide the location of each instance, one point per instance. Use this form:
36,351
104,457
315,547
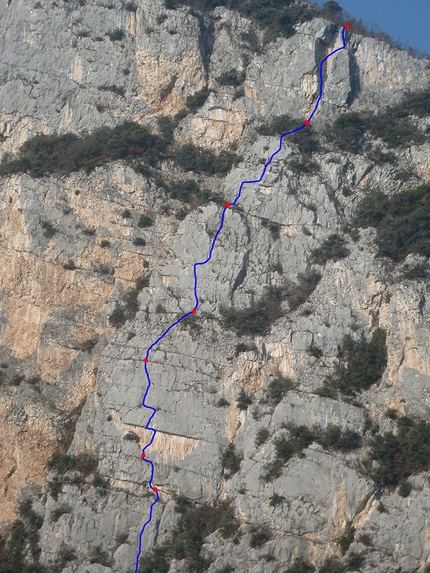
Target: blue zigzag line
201,263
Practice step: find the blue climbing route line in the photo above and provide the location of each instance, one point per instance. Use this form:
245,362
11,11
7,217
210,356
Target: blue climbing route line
194,310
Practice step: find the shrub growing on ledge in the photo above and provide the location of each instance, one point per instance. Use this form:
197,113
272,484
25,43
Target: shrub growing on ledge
188,536
231,78
128,311
361,364
277,389
257,318
301,437
393,128
117,317
417,103
392,125
334,438
200,160
139,242
300,566
193,102
276,499
332,249
273,227
131,302
275,17
347,131
243,400
59,511
261,437
332,565
298,293
88,345
145,221
64,154
65,555
230,460
402,221
131,436
418,271
12,551
242,347
188,191
402,455
346,540
62,463
279,124
307,166
259,537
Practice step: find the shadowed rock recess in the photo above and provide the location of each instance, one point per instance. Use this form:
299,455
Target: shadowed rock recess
293,410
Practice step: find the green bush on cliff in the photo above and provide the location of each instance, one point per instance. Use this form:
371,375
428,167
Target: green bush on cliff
361,364
23,533
402,221
277,389
402,455
298,293
187,538
85,463
256,318
64,154
188,191
347,131
392,125
332,249
201,160
415,103
230,460
231,78
277,18
128,310
305,138
301,437
393,128
300,565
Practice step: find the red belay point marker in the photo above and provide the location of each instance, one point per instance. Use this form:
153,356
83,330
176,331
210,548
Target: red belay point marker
143,455
145,360
155,489
227,205
194,311
347,26
307,122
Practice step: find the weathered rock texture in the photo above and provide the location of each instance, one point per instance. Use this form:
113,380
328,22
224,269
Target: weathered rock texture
56,57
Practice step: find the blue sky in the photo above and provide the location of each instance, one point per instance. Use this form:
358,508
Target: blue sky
404,20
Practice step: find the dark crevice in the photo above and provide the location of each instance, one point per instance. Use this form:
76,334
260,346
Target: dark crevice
321,45
354,79
206,40
242,273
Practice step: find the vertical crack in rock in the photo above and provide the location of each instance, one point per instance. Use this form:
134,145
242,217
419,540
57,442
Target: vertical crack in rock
354,78
206,40
242,273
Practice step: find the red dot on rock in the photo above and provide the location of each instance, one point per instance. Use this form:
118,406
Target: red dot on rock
347,26
143,455
307,122
145,360
227,205
155,489
194,311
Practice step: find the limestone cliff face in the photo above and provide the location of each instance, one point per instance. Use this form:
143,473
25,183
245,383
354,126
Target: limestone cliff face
56,59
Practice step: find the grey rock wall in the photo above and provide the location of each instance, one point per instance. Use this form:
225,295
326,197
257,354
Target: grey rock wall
55,57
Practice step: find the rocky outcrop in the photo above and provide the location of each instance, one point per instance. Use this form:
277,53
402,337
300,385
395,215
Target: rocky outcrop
67,68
